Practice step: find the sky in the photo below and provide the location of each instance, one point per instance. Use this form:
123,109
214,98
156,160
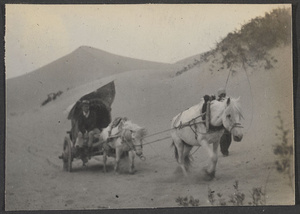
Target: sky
36,35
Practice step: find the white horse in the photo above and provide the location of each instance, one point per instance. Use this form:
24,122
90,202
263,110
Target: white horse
188,130
122,137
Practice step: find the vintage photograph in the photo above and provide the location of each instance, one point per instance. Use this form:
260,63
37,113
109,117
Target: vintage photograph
148,106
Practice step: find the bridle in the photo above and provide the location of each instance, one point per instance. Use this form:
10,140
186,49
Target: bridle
133,145
236,125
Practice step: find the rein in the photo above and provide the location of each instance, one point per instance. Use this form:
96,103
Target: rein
212,128
193,126
179,127
183,125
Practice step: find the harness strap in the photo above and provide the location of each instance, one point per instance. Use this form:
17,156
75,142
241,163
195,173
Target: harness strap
195,127
182,125
207,119
115,135
236,125
116,122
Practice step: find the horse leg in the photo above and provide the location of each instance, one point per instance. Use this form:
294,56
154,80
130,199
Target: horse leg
131,162
186,152
181,159
104,161
179,147
213,159
117,160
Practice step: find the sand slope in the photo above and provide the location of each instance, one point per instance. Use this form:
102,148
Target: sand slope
82,66
151,97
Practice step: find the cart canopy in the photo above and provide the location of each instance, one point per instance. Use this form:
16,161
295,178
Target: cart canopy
100,102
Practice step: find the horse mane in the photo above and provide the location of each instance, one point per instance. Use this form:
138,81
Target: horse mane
235,104
140,131
131,126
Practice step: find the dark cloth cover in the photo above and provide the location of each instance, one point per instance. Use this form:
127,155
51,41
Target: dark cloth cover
100,109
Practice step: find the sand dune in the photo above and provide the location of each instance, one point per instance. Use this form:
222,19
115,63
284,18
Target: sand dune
150,95
82,66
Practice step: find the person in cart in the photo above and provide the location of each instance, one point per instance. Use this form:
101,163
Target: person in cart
87,128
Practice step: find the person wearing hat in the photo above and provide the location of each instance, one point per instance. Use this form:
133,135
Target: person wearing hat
221,94
87,126
226,138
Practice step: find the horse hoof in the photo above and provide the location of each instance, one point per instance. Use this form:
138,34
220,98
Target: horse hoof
208,177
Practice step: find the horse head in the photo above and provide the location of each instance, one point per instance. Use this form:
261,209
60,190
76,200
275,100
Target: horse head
134,134
228,113
231,118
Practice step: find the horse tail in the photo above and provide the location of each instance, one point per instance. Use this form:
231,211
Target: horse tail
175,150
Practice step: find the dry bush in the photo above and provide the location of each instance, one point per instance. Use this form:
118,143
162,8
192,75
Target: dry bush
187,201
237,198
252,42
284,152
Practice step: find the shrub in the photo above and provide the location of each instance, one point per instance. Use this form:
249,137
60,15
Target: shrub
252,42
284,151
51,97
237,198
258,197
256,38
187,201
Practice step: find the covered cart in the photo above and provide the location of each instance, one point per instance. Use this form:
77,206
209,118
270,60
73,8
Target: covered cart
100,102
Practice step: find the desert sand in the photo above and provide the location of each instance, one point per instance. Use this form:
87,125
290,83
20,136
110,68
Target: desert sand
150,96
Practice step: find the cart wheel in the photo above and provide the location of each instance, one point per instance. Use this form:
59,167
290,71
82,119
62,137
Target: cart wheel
67,155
